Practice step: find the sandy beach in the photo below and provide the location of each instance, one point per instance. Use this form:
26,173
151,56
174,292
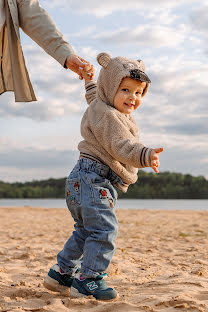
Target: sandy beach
161,262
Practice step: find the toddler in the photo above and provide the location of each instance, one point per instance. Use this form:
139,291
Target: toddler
110,156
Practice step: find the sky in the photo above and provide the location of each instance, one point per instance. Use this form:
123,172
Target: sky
38,140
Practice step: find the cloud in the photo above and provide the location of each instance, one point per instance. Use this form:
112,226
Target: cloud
45,109
88,53
100,8
35,158
184,160
144,35
193,126
199,19
182,152
58,91
30,163
199,24
23,162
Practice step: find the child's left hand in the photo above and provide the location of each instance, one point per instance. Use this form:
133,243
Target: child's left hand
87,75
154,156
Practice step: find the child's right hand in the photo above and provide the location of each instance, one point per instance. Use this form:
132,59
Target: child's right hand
154,156
87,75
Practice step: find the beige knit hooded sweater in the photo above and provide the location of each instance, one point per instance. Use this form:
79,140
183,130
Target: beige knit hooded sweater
110,135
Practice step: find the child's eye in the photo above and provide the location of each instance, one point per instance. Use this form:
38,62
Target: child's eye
138,93
125,90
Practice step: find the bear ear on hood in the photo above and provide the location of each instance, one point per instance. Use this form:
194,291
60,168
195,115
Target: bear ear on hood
103,59
141,65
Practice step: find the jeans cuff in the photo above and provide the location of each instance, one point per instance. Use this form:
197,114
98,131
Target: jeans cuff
87,273
70,271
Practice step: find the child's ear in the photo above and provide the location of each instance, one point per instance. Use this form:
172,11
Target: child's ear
141,65
103,59
145,89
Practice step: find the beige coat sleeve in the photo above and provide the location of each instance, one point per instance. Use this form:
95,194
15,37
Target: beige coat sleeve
119,142
39,26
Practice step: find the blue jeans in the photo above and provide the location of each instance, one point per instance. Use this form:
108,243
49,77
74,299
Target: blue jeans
91,199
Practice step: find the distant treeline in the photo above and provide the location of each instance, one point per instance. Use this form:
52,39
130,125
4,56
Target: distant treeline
164,185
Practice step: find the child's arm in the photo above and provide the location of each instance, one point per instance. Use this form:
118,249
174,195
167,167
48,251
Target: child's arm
90,85
122,145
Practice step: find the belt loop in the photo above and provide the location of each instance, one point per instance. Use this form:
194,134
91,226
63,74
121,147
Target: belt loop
109,174
80,164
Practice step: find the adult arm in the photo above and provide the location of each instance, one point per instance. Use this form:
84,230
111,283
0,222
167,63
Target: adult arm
40,27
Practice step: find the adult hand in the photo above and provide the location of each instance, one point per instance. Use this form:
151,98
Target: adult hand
76,64
155,158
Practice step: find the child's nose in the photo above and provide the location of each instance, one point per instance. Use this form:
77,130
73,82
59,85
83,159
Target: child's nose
132,96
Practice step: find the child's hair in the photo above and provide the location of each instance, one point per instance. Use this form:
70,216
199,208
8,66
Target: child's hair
114,70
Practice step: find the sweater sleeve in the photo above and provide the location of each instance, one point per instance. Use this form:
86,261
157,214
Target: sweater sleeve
40,27
120,143
90,94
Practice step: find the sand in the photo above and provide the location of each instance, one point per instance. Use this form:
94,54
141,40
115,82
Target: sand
161,262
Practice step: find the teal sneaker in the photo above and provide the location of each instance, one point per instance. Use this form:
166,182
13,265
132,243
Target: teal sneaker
95,287
57,280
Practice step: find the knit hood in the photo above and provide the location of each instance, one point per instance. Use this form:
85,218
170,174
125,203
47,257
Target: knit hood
113,71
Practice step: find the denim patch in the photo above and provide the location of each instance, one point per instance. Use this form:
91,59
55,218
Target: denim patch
102,195
73,192
111,203
76,186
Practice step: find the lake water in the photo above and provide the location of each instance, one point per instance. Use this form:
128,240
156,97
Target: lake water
169,204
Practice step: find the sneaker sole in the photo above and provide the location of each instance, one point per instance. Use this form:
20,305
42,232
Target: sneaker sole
74,293
52,284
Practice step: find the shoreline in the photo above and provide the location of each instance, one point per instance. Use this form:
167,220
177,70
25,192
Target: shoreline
137,204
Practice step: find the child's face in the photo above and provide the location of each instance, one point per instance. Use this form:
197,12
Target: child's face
128,96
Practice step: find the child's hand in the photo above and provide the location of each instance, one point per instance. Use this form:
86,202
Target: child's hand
75,63
87,75
154,156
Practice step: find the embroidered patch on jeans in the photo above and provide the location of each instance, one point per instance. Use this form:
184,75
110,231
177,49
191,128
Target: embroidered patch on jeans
103,194
67,193
76,186
72,199
111,203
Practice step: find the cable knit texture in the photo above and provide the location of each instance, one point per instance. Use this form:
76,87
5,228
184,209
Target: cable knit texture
108,134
